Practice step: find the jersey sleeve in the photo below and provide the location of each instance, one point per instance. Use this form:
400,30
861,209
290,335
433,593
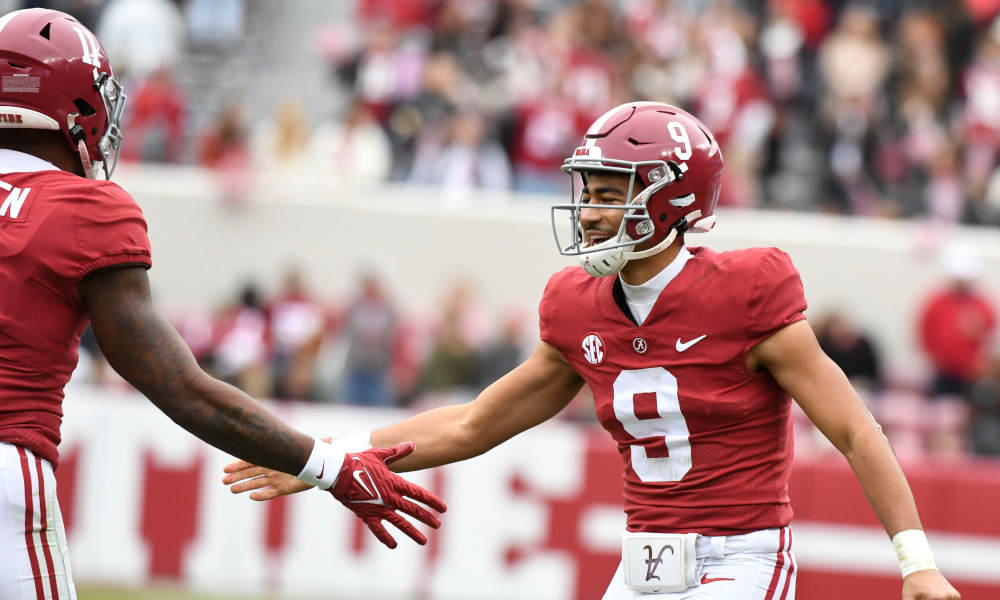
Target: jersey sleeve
110,230
777,298
555,311
547,313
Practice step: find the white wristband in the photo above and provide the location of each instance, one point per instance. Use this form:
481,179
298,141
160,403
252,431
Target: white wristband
356,442
323,466
913,551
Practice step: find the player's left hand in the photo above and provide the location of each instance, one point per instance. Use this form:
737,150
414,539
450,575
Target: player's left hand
262,483
928,584
367,487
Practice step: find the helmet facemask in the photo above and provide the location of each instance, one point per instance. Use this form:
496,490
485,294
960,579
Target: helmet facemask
109,145
610,256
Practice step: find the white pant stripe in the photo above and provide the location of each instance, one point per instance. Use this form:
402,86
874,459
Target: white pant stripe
33,555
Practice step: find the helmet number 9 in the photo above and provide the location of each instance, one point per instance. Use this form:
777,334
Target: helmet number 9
680,135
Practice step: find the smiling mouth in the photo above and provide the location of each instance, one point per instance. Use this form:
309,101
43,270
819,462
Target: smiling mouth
597,237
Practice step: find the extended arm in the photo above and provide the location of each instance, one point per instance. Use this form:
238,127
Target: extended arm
144,349
795,360
530,394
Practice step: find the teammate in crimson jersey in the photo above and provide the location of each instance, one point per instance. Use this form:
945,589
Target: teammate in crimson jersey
74,249
692,357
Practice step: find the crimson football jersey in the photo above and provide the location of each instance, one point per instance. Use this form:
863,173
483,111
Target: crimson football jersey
55,228
706,443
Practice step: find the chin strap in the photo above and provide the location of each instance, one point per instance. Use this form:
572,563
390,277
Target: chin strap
681,226
612,260
602,263
655,249
88,167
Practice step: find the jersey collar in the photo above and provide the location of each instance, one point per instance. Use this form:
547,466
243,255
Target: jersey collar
651,290
12,161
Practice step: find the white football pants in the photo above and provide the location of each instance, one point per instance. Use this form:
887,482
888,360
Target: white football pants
34,560
753,566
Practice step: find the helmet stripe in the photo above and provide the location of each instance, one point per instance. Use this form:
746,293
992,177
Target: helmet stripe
7,17
599,123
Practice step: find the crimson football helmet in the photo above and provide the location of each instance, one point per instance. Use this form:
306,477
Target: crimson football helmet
55,75
678,164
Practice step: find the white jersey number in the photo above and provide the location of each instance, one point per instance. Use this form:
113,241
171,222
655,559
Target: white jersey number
646,405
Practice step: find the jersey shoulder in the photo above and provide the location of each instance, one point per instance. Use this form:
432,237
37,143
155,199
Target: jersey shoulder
569,281
759,286
746,268
568,294
739,259
61,185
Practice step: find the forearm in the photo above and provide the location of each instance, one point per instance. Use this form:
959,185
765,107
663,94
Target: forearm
161,366
225,417
440,435
530,394
882,480
144,349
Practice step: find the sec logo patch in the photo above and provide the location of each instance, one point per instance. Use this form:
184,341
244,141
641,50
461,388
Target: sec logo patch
593,348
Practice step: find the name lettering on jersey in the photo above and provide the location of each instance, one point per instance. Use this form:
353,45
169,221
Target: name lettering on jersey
640,345
10,118
593,348
11,207
653,563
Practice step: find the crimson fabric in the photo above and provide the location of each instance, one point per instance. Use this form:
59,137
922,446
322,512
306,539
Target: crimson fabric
738,422
956,329
66,228
366,486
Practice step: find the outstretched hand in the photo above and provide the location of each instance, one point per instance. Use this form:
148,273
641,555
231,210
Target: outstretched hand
365,485
263,484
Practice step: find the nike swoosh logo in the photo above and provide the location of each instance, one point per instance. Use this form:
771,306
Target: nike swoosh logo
364,486
706,579
321,471
682,346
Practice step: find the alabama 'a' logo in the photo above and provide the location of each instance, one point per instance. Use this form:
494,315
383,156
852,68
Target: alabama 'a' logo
593,348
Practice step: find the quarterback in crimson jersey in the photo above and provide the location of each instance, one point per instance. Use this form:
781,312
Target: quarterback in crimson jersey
74,249
693,358
706,443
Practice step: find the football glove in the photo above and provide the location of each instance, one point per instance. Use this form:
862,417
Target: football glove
366,486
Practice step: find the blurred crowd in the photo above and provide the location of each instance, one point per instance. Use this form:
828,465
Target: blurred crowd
954,408
876,107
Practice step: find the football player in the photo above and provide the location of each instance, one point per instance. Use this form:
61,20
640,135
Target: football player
74,248
693,357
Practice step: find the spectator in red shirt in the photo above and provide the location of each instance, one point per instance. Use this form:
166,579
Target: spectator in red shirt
157,120
958,324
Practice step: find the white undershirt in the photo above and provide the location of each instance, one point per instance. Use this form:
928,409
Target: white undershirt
12,161
641,298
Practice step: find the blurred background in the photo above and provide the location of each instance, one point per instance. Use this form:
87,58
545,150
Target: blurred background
348,205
